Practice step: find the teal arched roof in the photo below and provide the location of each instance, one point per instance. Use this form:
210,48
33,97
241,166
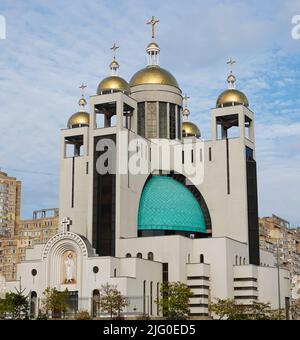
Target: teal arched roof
167,204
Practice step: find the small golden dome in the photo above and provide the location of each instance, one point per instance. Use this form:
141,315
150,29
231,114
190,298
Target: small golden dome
113,83
153,75
190,130
114,65
232,97
79,119
186,112
153,46
82,102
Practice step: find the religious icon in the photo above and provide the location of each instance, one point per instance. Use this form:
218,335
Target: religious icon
69,262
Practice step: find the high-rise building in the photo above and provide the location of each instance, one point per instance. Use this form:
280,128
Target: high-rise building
43,225
37,230
277,237
10,201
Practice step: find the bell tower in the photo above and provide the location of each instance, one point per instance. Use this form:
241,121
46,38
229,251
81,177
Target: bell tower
233,128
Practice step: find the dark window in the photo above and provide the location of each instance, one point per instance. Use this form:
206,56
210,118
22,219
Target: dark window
95,270
139,255
128,255
144,297
179,122
104,204
163,121
201,258
165,272
150,256
172,121
210,154
249,154
151,298
115,272
34,272
96,303
141,119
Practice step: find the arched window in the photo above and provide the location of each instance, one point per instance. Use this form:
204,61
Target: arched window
33,301
96,302
240,260
151,256
244,260
201,258
236,260
128,255
115,272
139,255
189,258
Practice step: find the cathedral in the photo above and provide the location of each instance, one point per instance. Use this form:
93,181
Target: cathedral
144,200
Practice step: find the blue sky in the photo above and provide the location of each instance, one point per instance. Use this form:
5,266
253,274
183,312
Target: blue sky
54,45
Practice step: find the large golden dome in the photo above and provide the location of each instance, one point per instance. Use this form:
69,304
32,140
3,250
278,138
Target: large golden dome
232,97
153,75
79,119
190,130
113,83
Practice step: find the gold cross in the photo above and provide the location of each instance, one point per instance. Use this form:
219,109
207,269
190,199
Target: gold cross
186,98
153,22
114,49
82,87
230,63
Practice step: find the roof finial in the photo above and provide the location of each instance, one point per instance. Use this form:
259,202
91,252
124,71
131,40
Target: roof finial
186,100
114,49
82,101
186,112
231,79
153,22
114,65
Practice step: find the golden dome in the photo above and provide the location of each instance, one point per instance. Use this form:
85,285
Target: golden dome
113,83
190,130
232,97
82,102
79,119
153,75
186,112
114,65
153,46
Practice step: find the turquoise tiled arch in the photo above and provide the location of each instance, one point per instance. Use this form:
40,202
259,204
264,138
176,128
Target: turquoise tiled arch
167,204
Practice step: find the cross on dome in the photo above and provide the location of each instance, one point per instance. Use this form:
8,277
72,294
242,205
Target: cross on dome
82,101
231,79
153,22
114,50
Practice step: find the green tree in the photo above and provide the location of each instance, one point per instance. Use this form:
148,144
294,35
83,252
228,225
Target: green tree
230,310
174,301
55,301
112,301
16,304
